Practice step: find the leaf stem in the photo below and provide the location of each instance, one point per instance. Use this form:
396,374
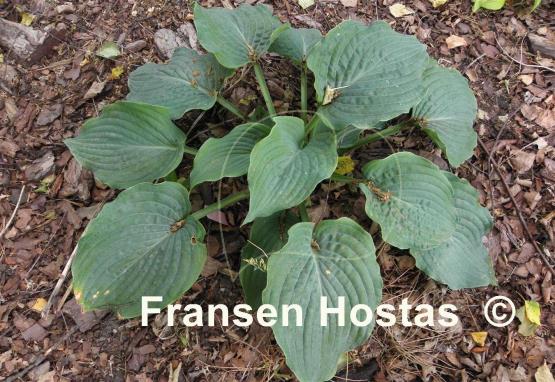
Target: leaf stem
231,107
264,88
190,150
311,125
346,179
304,93
220,204
303,212
391,130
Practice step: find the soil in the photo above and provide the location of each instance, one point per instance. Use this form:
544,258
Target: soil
47,99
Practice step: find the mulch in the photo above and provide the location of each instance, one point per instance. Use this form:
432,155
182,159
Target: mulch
45,100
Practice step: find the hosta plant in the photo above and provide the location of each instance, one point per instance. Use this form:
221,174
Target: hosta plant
150,242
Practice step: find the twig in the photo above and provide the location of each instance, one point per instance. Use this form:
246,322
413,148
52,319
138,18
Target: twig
40,358
520,62
59,284
517,208
13,213
475,60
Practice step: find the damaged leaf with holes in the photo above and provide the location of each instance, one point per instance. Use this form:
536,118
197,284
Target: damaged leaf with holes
370,83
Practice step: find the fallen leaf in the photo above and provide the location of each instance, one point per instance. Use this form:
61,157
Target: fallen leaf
108,50
349,3
533,311
437,3
95,89
454,41
26,18
345,165
526,328
479,337
399,10
543,374
117,72
39,304
522,161
527,79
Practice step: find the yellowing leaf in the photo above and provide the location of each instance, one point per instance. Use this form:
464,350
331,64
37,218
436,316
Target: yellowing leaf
533,311
526,327
1,58
399,10
437,3
27,18
306,3
39,304
543,374
345,165
117,72
479,337
108,50
493,5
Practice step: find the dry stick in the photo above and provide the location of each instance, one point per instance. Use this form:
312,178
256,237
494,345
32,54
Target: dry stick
506,54
13,213
59,284
41,358
517,208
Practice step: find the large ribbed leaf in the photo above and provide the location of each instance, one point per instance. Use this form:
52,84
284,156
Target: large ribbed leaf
411,200
138,245
366,74
333,259
267,235
447,112
189,81
462,261
282,172
128,144
237,36
296,44
229,156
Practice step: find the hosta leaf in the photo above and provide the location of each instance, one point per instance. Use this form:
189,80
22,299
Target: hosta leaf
411,200
295,44
128,144
366,74
282,173
447,112
134,248
189,81
348,136
335,258
461,261
267,235
237,36
228,156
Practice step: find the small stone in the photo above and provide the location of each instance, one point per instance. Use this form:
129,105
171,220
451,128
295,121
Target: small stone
188,33
167,42
9,76
136,46
65,8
